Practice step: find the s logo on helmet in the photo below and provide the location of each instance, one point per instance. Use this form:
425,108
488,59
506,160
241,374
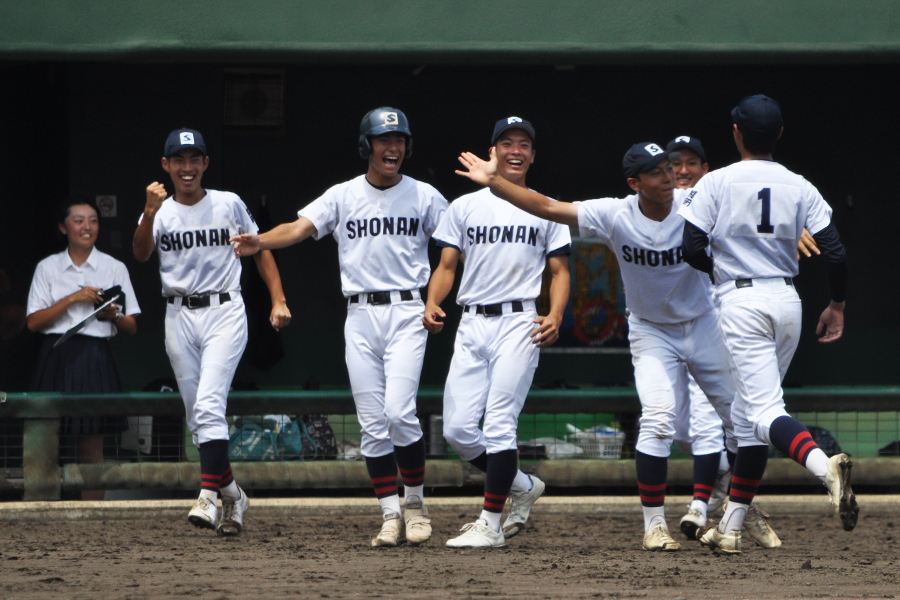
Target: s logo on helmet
187,138
390,118
653,149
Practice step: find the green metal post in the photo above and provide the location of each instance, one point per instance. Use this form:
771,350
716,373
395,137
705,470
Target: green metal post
41,459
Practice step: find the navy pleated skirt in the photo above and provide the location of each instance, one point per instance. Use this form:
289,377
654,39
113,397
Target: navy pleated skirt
83,364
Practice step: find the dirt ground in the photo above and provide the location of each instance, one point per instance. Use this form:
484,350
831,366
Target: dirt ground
559,556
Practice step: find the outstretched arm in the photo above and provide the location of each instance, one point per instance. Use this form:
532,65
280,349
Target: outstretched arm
548,327
286,234
438,288
485,173
268,270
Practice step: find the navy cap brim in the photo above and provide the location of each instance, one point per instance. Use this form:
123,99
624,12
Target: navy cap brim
524,126
682,145
652,163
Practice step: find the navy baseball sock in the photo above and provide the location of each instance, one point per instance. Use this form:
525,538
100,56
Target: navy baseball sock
411,460
706,467
213,462
383,473
652,472
480,462
501,470
791,437
746,474
228,488
731,456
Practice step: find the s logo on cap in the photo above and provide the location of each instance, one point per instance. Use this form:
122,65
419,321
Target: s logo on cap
653,149
512,120
390,118
187,138
684,139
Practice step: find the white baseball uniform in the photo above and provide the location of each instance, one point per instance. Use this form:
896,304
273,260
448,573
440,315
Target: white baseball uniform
382,238
504,250
754,212
204,344
673,320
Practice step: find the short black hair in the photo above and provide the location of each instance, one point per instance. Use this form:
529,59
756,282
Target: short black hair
75,200
760,147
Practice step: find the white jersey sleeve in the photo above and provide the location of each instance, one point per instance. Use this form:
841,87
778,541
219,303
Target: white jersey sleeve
449,231
818,215
597,217
323,212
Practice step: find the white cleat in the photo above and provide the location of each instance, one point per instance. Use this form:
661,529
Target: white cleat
691,523
391,532
837,480
203,514
658,538
418,525
758,528
233,515
726,543
520,504
478,535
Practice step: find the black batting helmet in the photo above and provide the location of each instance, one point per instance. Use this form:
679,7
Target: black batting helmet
383,120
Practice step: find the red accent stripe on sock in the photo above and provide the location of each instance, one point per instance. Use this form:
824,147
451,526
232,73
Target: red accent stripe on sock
797,440
701,496
652,499
377,480
383,490
742,481
701,486
494,506
413,480
210,477
413,471
803,449
742,493
651,488
495,496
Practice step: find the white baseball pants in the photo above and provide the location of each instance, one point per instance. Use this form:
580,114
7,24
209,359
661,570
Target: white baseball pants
385,347
491,372
205,346
658,353
761,325
698,427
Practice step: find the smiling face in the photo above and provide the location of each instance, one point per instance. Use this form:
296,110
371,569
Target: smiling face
515,154
81,226
689,168
657,184
388,151
186,167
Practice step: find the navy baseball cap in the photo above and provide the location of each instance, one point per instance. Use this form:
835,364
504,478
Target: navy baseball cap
184,138
643,157
512,123
683,141
758,118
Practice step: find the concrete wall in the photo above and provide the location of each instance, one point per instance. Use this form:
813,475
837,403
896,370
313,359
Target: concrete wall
575,31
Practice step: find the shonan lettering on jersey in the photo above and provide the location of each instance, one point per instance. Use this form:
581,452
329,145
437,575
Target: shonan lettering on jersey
653,258
507,234
185,240
359,228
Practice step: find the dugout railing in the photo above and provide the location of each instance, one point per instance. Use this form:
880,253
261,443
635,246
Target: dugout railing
864,420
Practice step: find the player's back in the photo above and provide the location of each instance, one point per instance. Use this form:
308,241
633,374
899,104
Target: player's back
758,211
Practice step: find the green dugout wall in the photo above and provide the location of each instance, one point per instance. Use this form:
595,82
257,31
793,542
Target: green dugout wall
89,90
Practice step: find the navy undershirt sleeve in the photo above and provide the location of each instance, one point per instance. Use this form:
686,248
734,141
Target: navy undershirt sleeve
693,245
835,255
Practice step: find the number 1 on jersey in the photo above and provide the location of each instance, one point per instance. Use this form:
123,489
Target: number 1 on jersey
765,225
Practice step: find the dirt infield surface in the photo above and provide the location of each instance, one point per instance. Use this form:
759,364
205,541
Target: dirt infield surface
559,556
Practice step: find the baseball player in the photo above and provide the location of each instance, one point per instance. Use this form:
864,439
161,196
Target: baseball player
672,319
382,222
497,346
751,214
206,326
698,429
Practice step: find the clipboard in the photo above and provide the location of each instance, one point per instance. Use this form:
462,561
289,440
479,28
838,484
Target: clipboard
74,330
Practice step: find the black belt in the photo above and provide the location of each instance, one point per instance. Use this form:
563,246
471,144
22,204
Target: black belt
377,298
198,300
494,310
742,283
